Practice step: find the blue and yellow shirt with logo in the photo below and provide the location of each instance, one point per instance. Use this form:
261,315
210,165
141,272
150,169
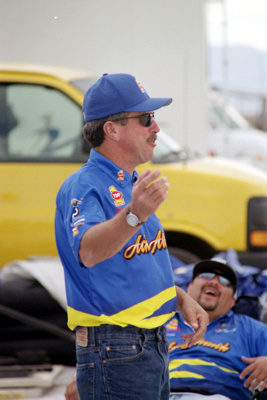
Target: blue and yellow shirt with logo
135,286
214,363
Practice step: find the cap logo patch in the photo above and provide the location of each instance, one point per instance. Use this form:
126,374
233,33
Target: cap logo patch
140,86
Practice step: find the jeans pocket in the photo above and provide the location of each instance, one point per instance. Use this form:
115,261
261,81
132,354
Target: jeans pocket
86,381
116,351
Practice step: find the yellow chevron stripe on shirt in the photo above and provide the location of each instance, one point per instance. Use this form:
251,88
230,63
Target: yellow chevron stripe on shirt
185,374
177,363
137,315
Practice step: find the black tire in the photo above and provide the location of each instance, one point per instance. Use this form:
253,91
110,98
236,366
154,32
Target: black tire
186,256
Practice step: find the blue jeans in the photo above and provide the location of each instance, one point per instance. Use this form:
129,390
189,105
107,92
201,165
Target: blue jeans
115,363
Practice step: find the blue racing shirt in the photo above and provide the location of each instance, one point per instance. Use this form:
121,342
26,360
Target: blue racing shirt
135,286
214,363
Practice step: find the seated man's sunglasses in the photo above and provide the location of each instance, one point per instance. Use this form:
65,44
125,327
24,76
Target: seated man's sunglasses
210,275
145,119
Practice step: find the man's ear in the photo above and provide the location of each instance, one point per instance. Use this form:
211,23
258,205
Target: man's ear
233,301
111,130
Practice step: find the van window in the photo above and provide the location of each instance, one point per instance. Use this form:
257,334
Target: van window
39,123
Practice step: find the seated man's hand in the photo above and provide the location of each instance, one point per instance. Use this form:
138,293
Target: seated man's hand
256,373
71,392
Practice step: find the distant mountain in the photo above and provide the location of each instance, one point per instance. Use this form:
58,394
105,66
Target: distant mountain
239,67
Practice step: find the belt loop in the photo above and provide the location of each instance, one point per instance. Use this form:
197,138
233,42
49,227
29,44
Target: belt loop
159,337
91,336
143,331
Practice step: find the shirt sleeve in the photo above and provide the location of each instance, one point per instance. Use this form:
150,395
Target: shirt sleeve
257,337
84,211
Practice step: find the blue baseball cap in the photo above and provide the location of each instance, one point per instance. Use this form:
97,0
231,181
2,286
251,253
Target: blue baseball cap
116,93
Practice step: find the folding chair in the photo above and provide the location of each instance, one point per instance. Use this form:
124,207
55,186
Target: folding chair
259,395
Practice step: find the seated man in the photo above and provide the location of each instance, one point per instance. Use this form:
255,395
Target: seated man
231,360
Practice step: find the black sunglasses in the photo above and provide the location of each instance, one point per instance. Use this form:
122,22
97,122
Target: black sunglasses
210,275
145,119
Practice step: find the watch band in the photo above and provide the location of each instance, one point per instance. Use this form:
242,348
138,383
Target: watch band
131,218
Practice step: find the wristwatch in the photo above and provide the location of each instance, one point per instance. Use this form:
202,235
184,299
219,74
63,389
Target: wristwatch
131,218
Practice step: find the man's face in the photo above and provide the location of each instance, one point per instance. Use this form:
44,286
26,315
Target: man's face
138,141
216,298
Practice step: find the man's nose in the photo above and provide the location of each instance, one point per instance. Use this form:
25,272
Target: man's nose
216,279
155,126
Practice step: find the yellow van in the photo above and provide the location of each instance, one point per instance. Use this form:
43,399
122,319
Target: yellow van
213,204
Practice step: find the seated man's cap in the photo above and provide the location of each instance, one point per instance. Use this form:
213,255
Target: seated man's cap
216,265
116,93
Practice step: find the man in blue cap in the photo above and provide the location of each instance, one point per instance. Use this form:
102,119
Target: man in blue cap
119,283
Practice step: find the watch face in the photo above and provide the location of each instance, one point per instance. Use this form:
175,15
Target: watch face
132,219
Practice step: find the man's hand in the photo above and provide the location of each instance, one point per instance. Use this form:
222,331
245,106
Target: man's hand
71,392
149,191
103,240
193,314
256,372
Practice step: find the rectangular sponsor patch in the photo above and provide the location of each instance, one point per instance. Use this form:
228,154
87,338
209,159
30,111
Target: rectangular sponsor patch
82,337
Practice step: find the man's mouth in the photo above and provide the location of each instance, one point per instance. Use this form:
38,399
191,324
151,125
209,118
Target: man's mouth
211,291
153,138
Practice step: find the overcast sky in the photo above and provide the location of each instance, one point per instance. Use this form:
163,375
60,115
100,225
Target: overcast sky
246,22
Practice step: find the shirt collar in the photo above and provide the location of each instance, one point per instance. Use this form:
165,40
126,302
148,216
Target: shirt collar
109,168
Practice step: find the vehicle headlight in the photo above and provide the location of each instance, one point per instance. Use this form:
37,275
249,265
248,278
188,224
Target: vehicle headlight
257,223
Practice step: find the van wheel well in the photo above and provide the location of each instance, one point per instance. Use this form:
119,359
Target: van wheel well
183,255
187,248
